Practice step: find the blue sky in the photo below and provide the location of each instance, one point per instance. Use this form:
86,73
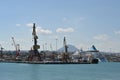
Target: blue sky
83,22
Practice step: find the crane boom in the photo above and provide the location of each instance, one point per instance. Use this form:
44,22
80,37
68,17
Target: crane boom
14,43
16,47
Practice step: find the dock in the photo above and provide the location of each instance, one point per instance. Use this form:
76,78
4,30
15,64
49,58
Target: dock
95,61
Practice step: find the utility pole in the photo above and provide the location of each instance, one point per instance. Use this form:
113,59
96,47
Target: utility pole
51,47
46,46
43,47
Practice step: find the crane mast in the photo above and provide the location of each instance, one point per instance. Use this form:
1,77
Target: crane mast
35,46
65,55
34,54
65,45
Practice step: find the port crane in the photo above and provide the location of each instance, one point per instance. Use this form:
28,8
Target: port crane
34,53
65,45
65,54
1,50
17,47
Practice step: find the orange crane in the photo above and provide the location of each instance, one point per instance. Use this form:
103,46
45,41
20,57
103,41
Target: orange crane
17,47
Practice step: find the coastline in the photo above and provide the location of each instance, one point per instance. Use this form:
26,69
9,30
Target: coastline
48,62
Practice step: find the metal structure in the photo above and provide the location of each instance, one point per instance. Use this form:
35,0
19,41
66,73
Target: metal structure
56,43
1,50
17,47
65,45
51,47
65,54
35,46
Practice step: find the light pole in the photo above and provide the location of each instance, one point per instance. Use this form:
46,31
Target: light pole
56,43
43,47
46,46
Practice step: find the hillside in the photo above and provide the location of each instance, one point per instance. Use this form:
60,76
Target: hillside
71,48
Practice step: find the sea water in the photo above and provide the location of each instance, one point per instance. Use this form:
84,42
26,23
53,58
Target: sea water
100,71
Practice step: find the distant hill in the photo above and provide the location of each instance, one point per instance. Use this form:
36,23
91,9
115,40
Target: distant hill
71,48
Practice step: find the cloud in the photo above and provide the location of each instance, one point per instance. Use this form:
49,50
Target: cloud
29,25
39,29
43,31
18,25
102,37
67,30
117,32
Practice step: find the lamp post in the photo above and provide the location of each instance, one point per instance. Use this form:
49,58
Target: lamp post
56,43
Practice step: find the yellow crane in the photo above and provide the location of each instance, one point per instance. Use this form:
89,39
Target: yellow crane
34,53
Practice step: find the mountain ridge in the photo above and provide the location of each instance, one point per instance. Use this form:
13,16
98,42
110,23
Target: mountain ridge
71,48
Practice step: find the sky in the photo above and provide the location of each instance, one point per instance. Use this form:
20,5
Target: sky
83,22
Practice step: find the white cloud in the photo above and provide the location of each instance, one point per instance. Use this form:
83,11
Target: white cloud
102,37
43,31
117,32
39,29
18,25
67,30
29,25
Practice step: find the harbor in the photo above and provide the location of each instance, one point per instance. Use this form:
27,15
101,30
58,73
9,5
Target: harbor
65,56
33,56
60,40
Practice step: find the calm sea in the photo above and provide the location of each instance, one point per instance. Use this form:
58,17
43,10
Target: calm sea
101,71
